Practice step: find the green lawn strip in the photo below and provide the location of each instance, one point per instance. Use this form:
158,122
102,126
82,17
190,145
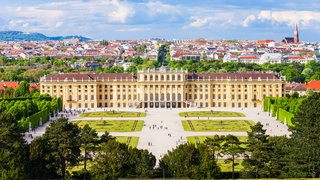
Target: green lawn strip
112,125
113,114
227,167
79,166
211,114
217,125
129,140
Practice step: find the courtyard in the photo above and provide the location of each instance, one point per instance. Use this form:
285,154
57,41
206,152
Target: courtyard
160,130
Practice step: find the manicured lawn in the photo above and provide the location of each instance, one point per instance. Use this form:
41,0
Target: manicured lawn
211,114
227,167
200,139
129,140
113,114
217,125
112,125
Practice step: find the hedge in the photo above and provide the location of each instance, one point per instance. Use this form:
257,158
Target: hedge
270,105
35,119
283,114
52,107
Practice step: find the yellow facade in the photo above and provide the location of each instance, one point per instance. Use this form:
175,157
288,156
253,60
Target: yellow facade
162,88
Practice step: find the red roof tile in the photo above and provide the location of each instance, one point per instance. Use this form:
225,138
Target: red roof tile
313,84
4,85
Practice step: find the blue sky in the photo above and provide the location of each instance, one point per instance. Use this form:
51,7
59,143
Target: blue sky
169,19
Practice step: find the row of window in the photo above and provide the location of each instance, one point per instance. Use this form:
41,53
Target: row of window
206,104
162,86
162,96
156,77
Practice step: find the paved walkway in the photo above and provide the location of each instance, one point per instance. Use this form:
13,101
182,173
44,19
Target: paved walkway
163,131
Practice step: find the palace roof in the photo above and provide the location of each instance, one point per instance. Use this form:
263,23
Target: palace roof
238,75
92,77
87,77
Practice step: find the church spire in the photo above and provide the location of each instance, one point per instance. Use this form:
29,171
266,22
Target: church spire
296,34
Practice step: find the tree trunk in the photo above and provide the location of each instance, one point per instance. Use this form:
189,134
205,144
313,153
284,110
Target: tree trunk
85,160
85,164
63,169
232,166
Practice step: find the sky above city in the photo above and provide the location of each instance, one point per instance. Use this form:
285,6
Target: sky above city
169,19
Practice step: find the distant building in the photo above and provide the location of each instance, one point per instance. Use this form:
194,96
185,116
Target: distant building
301,89
288,40
294,39
272,58
6,84
290,58
230,58
249,58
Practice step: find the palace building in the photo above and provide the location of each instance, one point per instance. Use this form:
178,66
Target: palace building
162,88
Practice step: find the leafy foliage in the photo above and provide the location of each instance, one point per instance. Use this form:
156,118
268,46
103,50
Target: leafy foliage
13,150
63,147
116,160
305,140
189,161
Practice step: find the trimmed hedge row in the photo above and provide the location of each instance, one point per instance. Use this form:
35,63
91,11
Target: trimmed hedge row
35,119
50,108
285,115
271,105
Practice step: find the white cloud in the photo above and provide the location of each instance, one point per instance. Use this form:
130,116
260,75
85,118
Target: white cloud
199,21
67,17
132,29
248,20
25,25
121,12
214,19
104,17
156,7
59,24
290,17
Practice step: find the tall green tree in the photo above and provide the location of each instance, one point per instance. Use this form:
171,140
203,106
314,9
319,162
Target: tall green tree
40,166
305,139
180,162
233,149
315,76
142,163
33,75
88,140
256,161
111,161
214,145
187,160
22,90
13,149
63,143
207,168
279,148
